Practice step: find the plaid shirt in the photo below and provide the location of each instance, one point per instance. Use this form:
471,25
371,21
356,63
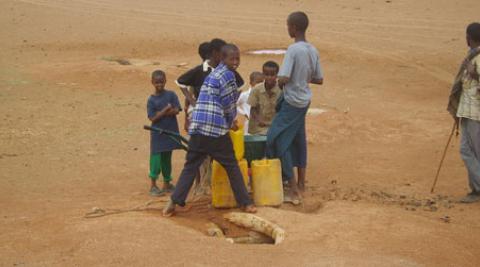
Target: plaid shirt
216,104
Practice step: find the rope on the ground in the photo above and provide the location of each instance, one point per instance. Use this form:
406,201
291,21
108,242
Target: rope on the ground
99,212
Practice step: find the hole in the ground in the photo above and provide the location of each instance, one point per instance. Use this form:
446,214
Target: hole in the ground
200,216
267,52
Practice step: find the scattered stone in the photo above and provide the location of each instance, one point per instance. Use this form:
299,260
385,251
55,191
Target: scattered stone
333,195
120,61
446,219
356,198
214,230
91,153
387,195
430,208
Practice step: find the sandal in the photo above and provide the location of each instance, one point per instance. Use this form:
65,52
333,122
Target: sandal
156,192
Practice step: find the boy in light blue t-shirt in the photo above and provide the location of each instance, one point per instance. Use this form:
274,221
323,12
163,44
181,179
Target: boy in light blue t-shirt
286,138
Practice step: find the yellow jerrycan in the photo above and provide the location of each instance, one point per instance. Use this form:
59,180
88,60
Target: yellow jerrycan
222,194
238,143
267,184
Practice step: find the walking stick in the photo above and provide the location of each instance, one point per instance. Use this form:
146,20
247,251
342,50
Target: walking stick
443,156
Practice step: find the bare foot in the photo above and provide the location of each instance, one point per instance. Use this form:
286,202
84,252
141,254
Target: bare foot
294,190
301,186
301,178
250,209
169,209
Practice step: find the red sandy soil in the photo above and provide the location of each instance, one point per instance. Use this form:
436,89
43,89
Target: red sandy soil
71,134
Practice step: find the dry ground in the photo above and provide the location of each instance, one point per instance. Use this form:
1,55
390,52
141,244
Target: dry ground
71,133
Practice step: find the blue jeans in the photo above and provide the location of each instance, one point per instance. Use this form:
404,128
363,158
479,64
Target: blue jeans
470,151
286,138
221,150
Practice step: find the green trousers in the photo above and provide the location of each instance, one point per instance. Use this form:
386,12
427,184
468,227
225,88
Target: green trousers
161,163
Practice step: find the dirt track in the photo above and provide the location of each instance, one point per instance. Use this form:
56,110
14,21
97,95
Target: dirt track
71,133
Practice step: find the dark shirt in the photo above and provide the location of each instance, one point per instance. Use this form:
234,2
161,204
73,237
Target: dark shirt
196,76
161,142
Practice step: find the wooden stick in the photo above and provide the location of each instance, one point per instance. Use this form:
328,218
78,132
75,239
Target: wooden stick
443,156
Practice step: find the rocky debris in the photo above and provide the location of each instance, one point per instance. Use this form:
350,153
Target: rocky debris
411,203
445,219
214,230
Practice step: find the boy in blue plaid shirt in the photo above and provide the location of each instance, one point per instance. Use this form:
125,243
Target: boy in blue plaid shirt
212,118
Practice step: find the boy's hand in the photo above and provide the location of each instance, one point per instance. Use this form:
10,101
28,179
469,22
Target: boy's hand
166,108
234,125
282,81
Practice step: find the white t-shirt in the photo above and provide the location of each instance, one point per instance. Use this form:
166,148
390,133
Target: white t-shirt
243,108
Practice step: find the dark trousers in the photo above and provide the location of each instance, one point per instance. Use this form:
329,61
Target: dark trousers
221,150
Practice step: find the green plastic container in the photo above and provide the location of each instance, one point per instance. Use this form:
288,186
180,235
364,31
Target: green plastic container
255,147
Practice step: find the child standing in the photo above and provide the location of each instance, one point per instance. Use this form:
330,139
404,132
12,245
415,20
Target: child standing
243,107
286,138
263,100
212,118
162,109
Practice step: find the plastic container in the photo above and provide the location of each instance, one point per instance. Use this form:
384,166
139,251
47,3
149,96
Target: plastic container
238,143
255,147
222,194
267,183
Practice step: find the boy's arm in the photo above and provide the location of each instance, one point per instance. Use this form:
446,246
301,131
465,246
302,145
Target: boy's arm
160,114
255,116
188,95
317,73
282,80
175,106
286,69
186,122
255,108
185,80
317,81
228,97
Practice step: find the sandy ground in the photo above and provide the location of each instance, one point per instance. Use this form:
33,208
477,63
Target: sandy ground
71,133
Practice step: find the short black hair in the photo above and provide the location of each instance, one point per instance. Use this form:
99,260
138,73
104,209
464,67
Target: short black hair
229,48
473,31
271,64
158,73
204,50
255,75
299,19
217,44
